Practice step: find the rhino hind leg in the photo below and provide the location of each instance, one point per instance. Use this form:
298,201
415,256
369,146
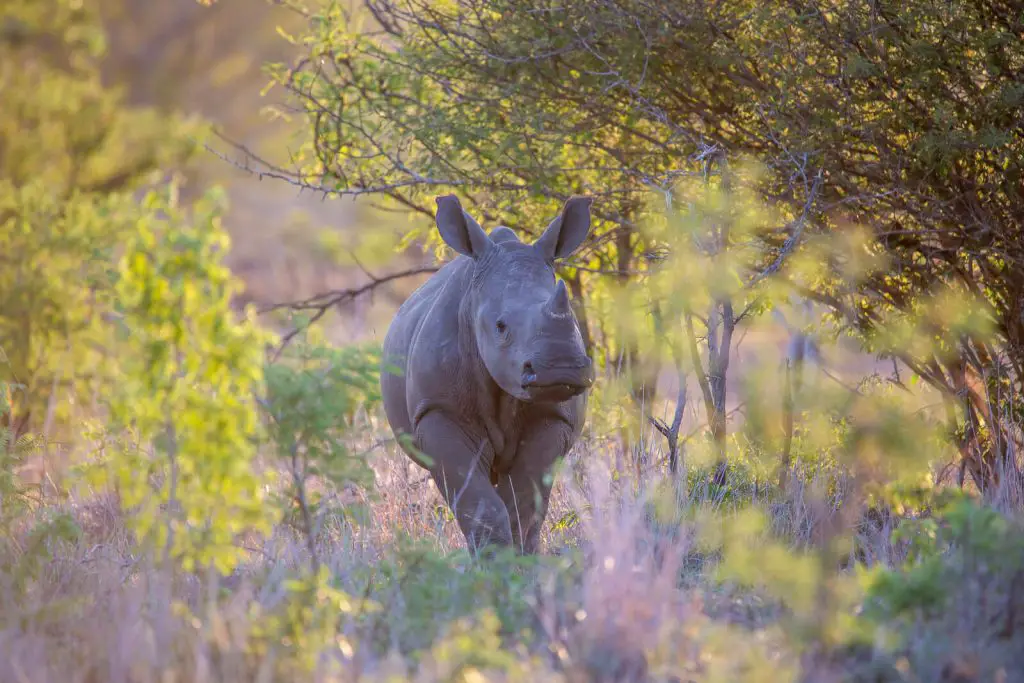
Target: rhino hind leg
526,488
459,469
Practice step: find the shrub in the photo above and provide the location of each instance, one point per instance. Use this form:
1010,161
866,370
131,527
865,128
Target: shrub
314,395
180,443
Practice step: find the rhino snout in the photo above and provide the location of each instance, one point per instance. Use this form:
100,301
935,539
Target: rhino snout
558,382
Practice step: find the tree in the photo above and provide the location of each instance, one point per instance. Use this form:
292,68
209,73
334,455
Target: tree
114,301
405,128
904,119
72,152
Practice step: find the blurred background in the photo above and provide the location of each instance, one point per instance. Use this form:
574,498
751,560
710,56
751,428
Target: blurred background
286,244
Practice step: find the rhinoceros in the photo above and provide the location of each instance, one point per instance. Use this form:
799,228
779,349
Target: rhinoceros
485,373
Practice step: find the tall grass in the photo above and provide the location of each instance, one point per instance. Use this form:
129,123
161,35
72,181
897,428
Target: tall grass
624,592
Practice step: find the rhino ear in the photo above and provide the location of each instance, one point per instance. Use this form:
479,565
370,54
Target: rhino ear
566,233
458,229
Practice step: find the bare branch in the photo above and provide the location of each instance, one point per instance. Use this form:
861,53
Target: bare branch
322,303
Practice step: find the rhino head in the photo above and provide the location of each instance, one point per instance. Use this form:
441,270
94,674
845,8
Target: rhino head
525,331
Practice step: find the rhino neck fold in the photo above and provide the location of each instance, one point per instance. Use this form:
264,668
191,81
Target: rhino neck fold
468,349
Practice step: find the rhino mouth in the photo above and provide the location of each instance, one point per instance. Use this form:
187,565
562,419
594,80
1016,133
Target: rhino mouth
556,389
555,384
553,393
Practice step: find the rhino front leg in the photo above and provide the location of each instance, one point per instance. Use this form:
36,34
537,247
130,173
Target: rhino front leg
527,486
460,465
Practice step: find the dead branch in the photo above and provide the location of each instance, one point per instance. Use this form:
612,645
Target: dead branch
671,432
321,303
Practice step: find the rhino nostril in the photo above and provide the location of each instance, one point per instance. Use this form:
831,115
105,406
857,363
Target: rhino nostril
529,376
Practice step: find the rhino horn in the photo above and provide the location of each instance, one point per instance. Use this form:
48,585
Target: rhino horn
558,304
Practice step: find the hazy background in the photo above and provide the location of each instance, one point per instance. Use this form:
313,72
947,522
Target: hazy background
209,61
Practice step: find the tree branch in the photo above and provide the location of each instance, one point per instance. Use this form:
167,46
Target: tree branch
321,303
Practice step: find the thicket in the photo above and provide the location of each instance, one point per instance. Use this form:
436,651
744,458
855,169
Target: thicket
745,159
900,119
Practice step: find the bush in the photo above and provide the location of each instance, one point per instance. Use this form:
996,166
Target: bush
74,153
180,443
314,395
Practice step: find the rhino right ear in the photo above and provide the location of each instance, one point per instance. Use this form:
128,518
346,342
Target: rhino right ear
458,229
566,233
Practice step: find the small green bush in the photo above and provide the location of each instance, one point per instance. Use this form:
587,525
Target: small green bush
431,590
313,397
963,542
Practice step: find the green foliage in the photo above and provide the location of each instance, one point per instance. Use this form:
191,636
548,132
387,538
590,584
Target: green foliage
963,541
16,499
73,151
954,603
43,541
471,650
58,254
27,541
819,600
435,590
63,125
188,373
854,447
303,627
314,394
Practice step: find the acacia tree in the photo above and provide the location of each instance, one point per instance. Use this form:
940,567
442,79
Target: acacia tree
901,117
399,126
426,102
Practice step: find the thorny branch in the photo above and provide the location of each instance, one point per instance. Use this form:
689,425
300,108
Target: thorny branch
322,303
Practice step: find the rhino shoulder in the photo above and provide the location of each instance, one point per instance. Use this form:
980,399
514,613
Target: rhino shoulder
432,331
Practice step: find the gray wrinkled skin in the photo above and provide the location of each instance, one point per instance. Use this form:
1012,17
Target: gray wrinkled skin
491,374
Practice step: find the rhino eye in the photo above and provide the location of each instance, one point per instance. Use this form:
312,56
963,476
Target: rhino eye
501,326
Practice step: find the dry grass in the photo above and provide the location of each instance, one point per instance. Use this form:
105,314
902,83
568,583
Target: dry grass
99,613
617,597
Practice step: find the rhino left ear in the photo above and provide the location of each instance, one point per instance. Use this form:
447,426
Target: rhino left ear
566,233
458,229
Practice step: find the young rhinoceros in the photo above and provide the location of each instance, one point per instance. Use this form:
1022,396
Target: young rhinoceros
494,373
